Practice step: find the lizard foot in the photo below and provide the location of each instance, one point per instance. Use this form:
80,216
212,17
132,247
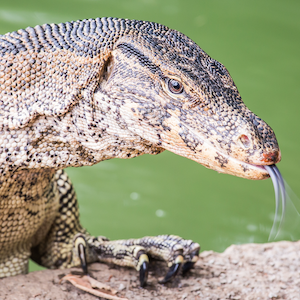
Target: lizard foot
175,250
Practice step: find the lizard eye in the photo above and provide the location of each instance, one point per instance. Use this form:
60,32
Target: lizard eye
175,86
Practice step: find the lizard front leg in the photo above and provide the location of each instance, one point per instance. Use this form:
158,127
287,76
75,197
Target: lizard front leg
134,253
67,244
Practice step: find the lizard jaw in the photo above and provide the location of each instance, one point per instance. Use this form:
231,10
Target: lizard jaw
223,163
246,170
214,158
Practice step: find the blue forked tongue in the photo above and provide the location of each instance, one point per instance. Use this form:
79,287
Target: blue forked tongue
280,192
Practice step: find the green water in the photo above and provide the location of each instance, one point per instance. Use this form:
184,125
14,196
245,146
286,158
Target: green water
259,43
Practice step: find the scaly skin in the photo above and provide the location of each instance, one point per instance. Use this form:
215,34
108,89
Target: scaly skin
82,92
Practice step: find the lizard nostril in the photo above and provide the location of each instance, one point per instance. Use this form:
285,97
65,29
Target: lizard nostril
245,140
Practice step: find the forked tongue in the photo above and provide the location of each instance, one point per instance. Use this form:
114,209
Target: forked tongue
280,193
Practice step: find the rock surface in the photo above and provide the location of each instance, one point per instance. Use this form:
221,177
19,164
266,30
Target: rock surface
250,271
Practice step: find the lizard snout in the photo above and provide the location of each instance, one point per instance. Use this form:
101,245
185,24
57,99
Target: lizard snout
271,158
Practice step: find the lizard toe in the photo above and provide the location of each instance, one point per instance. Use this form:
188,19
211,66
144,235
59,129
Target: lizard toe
144,270
173,270
80,245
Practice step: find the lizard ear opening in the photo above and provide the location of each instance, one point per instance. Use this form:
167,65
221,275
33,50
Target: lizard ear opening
107,69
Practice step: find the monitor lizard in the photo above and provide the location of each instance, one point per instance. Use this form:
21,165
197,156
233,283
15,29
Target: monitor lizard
77,93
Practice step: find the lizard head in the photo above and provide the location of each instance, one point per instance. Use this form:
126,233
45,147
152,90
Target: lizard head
174,96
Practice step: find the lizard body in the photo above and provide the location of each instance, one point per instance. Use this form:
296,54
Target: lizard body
78,93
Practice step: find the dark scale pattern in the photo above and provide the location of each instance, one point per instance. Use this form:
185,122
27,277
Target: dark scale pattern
56,246
81,92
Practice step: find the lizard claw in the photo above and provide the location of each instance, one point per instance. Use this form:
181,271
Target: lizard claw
171,273
144,273
143,266
173,269
80,245
189,264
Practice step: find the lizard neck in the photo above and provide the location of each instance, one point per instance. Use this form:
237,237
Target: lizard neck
79,137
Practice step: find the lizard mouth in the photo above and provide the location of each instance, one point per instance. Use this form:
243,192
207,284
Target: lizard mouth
212,158
258,169
196,147
215,159
243,169
240,165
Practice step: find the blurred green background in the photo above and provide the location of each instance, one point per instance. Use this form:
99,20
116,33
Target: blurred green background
259,42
